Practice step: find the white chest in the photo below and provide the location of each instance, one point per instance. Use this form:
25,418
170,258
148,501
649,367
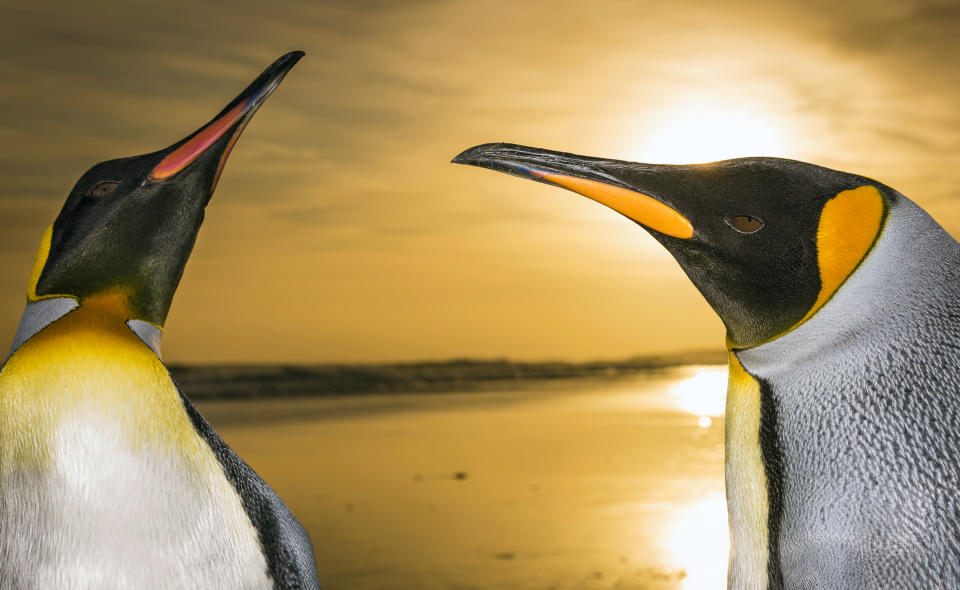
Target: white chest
106,512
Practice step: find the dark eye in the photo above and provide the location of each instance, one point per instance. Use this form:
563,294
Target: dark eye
744,224
104,188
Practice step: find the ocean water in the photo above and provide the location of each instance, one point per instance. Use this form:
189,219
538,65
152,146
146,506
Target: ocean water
576,484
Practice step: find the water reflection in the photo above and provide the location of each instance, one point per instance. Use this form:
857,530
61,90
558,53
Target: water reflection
698,535
699,542
701,392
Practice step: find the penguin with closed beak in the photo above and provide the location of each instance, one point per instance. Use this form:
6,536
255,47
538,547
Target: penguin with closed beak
841,300
109,477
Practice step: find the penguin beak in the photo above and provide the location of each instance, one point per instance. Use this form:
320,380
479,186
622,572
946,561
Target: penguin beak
229,123
594,178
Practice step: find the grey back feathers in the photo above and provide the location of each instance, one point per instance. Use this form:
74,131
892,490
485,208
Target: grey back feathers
866,397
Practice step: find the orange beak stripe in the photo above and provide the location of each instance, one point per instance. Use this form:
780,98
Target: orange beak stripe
181,157
639,207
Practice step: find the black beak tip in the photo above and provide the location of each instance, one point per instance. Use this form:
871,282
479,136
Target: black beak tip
474,155
284,63
292,57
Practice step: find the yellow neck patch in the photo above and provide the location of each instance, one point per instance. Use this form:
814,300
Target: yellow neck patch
746,479
90,363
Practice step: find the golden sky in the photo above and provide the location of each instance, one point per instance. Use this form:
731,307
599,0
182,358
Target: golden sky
339,232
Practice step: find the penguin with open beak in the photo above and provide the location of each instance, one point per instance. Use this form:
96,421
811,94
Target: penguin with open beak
109,477
841,300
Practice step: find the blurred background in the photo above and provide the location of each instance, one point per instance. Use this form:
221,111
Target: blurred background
342,250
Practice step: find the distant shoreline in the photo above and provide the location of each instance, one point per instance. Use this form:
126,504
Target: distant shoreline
263,381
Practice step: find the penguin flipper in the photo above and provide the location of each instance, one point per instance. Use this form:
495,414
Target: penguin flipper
286,544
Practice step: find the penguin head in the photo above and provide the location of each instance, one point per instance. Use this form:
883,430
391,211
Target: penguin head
767,241
128,226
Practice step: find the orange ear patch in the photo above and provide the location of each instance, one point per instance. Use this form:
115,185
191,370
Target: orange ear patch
849,226
39,264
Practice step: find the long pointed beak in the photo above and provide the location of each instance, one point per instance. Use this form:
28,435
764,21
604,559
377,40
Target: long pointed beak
593,178
231,121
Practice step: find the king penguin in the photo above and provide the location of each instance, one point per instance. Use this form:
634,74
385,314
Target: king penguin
109,477
841,301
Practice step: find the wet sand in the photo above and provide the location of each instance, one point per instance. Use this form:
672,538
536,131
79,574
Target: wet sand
592,484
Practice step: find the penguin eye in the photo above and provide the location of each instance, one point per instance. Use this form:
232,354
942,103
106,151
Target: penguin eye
104,188
744,224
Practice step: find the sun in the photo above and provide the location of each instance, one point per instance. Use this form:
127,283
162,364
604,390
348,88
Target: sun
696,133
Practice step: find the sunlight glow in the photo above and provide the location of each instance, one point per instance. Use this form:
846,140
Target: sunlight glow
696,133
699,542
704,421
702,393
